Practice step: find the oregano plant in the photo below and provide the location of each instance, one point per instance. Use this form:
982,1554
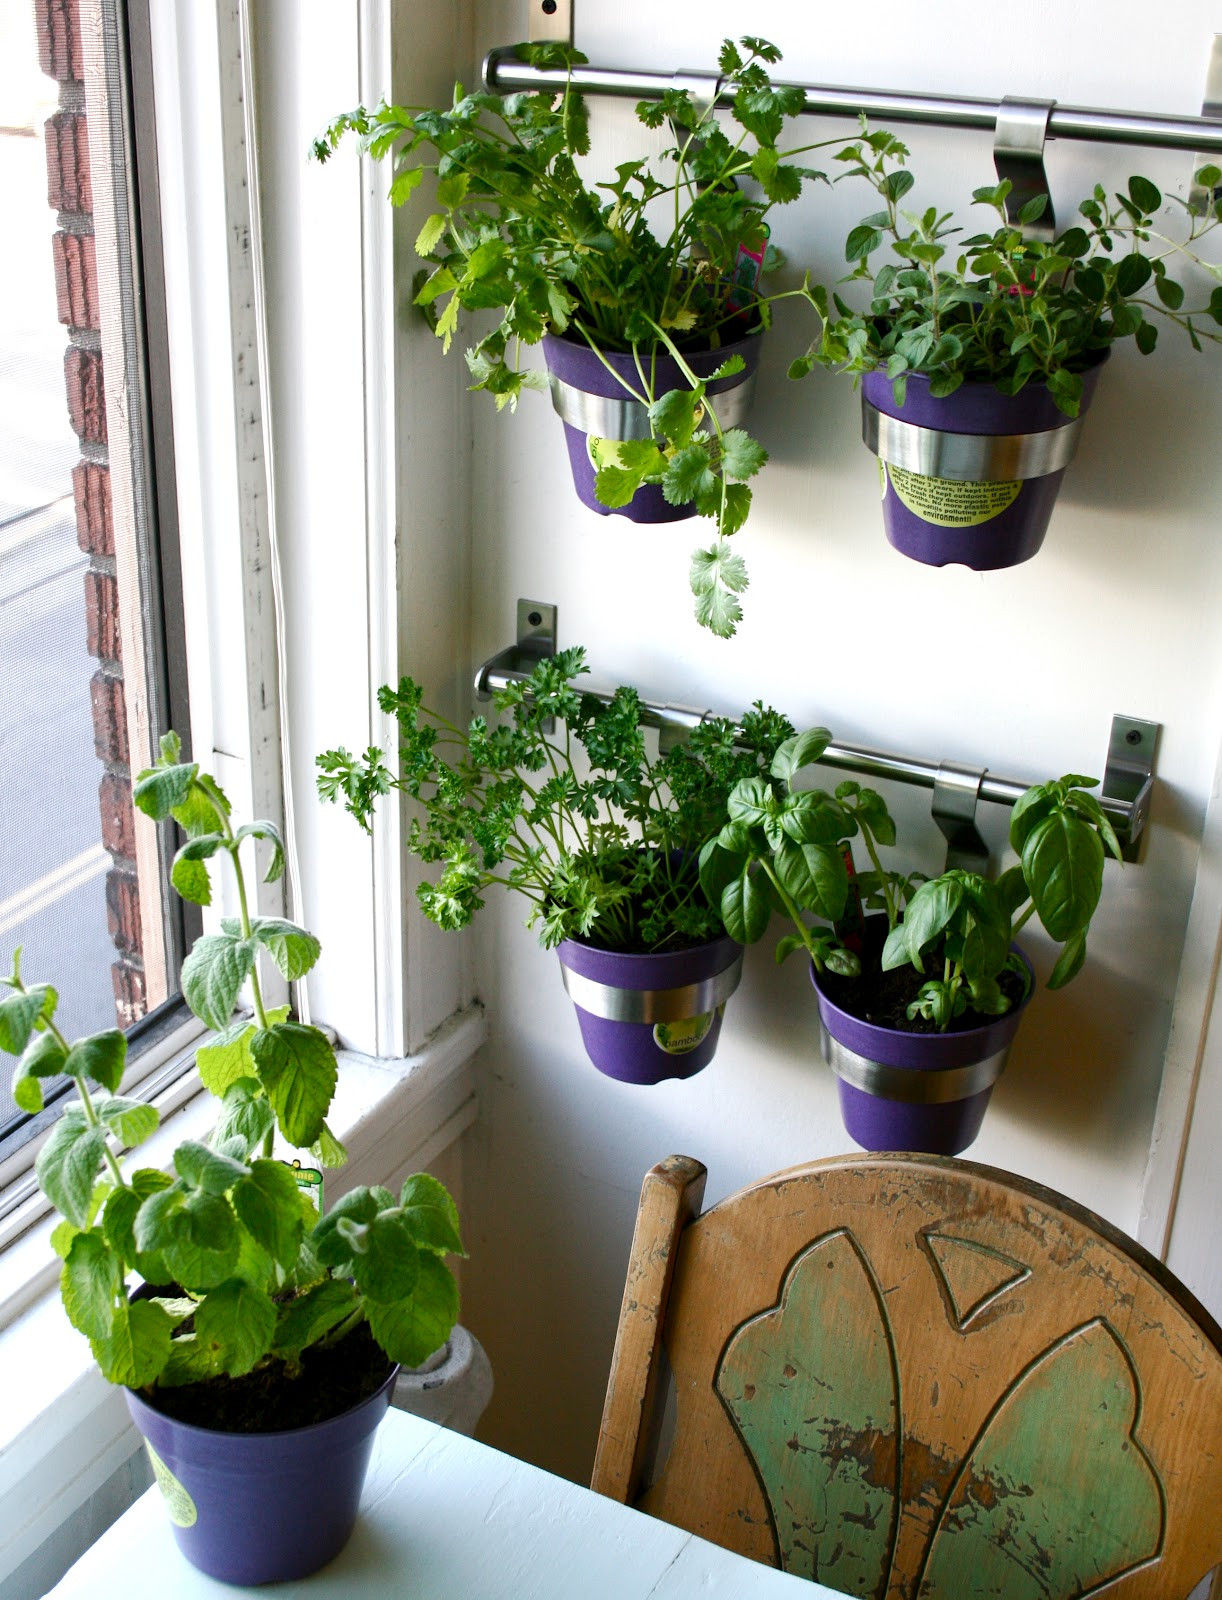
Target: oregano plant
221,1264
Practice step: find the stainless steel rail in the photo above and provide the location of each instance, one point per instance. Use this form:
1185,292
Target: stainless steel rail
505,73
1126,812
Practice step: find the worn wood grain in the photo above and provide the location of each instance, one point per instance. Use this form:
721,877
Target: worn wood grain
920,1379
670,1198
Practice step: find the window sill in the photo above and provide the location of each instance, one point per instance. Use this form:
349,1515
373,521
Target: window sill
64,1429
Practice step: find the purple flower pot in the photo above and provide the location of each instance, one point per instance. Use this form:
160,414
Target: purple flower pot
988,515
647,1018
914,1091
595,404
262,1507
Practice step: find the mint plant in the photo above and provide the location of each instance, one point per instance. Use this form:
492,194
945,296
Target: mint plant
244,1271
1003,309
519,231
785,849
600,838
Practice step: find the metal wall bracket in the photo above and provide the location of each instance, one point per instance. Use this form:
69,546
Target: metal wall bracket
536,641
1018,154
550,19
1198,198
956,793
1129,776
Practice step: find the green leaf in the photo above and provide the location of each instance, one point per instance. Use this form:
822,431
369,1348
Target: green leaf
746,907
799,752
212,975
235,1322
196,1234
101,1058
190,879
159,790
1063,866
431,1214
815,877
43,1057
267,1205
137,1348
786,946
742,456
227,1058
1144,196
305,1319
91,1283
68,1164
1069,963
410,1331
387,1264
430,233
209,1170
246,1117
293,949
689,474
296,1066
1132,275
132,1121
20,1012
327,1149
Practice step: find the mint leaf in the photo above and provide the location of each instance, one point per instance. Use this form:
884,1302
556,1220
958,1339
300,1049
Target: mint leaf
296,1066
266,1204
44,1057
20,1012
138,1344
226,1059
213,974
234,1324
158,790
196,1234
387,1262
190,879
207,1169
410,1330
90,1283
132,1121
431,1214
303,1321
67,1166
292,949
101,1057
246,1117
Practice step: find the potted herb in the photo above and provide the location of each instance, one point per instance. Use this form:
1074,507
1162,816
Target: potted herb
258,1332
651,341
918,1003
599,838
978,356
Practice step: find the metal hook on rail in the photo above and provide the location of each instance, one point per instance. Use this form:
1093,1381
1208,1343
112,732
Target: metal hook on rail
1018,154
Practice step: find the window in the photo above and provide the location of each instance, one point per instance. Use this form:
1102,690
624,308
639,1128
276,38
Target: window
90,602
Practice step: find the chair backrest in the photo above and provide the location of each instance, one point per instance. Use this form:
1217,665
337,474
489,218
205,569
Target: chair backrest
919,1379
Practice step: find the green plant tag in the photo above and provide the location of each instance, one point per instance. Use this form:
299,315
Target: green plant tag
308,1178
682,1037
949,502
179,1503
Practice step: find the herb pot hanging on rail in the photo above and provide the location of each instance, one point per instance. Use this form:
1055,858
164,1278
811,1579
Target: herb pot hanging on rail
915,1065
600,838
599,397
978,356
646,1018
516,230
969,477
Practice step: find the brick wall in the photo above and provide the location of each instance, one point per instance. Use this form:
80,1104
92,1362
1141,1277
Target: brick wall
74,262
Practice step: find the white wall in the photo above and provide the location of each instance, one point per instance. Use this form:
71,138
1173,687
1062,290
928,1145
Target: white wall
1020,671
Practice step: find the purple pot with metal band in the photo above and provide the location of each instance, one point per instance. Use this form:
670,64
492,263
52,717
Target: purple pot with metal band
252,1508
923,1092
970,477
599,405
646,1018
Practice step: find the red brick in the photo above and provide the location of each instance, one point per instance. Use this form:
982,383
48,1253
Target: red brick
59,38
123,910
86,394
95,531
131,998
69,187
109,718
76,279
118,817
102,616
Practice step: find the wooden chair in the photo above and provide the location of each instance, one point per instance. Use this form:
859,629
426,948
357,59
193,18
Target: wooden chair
918,1379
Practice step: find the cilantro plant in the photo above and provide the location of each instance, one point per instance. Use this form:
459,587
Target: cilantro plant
519,231
998,308
247,1274
783,849
600,838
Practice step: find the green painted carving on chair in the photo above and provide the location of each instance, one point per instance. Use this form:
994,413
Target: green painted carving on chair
1057,1496
812,1389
